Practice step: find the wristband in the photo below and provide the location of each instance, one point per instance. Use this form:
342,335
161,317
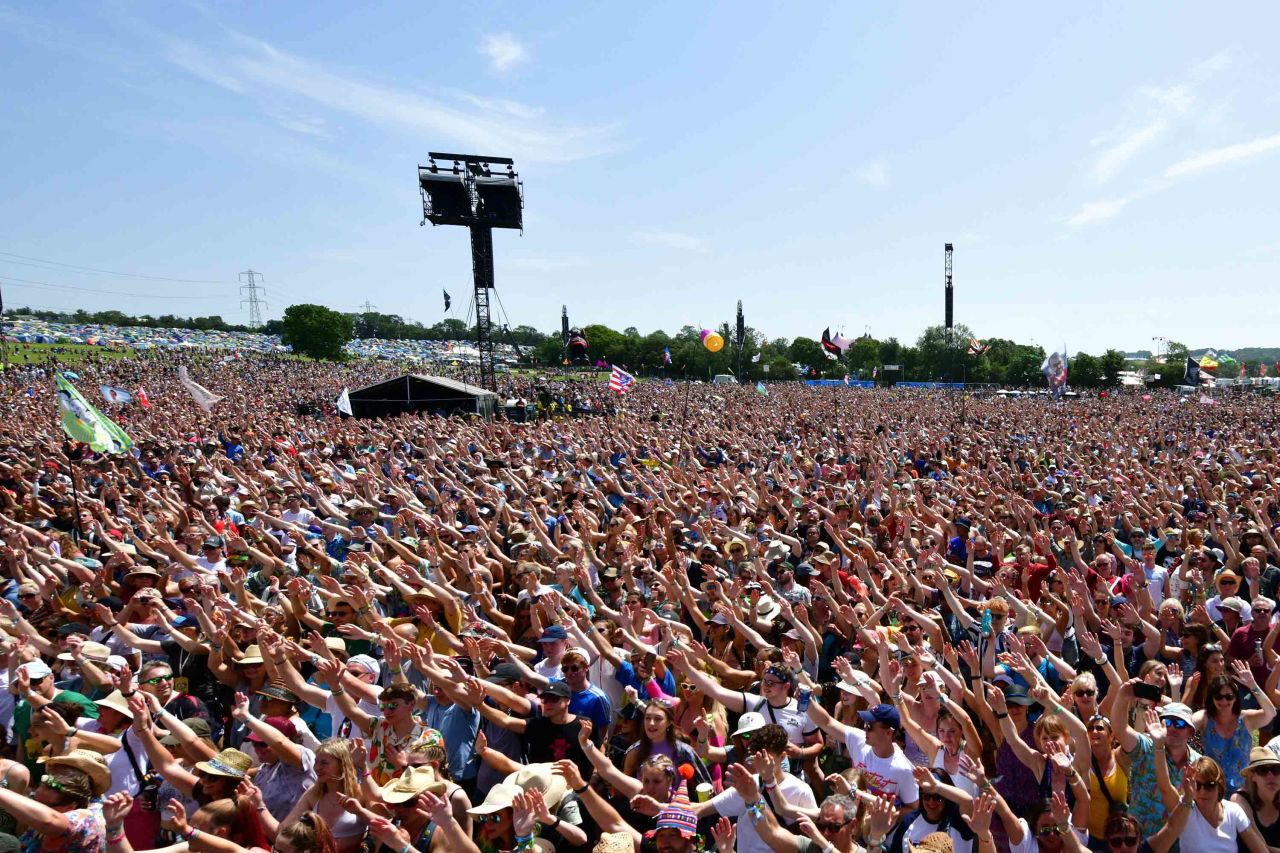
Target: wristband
1002,716
554,825
192,834
337,691
582,790
1101,661
115,830
115,839
409,846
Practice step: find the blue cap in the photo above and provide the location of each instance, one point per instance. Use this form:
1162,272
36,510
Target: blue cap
553,633
471,528
886,714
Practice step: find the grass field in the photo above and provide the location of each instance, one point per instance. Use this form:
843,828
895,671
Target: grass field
20,354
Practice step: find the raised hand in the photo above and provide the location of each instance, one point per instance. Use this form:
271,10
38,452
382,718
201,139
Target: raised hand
983,809
116,807
725,835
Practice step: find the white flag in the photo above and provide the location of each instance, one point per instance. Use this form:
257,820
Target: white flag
344,402
115,395
204,398
755,359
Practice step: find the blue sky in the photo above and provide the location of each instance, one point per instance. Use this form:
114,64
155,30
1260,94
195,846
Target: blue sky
1107,175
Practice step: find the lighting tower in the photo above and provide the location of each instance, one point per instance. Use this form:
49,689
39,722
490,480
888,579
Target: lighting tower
250,291
472,193
950,293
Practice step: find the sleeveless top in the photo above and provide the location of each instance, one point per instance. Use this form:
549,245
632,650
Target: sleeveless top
1232,753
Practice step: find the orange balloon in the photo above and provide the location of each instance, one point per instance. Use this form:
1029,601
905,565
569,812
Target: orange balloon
713,342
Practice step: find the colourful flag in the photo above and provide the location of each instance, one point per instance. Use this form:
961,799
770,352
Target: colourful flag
143,401
977,347
115,395
85,424
1209,362
1262,369
621,381
666,355
761,390
204,398
1191,376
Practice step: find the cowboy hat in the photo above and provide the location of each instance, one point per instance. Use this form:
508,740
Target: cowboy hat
415,781
88,762
229,762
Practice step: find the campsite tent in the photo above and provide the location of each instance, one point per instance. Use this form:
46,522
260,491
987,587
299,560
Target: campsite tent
413,392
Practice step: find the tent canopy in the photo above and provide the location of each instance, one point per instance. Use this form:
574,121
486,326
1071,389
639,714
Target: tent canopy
414,392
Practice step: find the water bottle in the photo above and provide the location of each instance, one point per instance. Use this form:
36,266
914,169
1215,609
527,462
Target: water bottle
802,699
986,623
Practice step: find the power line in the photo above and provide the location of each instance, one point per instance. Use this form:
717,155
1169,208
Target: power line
106,272
367,308
255,304
48,285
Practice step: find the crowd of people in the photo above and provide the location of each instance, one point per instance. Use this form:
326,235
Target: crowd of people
821,620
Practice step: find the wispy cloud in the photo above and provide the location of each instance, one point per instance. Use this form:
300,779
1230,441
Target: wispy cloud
874,173
1093,212
503,51
258,70
1223,156
671,240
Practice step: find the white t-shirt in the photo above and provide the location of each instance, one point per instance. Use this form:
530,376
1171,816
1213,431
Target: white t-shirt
1203,838
788,716
1030,844
337,718
920,828
890,775
731,804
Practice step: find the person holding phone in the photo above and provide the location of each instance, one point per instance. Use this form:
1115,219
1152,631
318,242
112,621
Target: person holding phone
1149,802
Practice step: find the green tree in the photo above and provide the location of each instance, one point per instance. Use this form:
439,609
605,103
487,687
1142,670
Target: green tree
1086,371
1112,362
809,354
317,331
942,354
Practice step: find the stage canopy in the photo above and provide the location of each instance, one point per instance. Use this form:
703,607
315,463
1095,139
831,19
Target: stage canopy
416,393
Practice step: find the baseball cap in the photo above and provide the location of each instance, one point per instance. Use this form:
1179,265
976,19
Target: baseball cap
886,714
749,722
553,633
556,688
1176,711
284,725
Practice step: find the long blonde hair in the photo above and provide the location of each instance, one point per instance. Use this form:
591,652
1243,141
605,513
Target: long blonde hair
339,749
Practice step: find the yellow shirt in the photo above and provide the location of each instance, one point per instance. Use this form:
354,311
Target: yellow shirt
1099,808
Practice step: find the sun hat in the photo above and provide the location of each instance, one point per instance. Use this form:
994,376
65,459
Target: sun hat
1260,757
934,842
199,725
229,762
275,690
748,723
412,783
252,654
539,777
1177,711
115,701
500,797
88,762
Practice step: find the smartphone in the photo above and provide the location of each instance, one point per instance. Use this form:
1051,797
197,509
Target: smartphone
1149,692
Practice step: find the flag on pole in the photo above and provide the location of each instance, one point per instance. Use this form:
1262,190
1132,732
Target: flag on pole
761,390
829,346
1055,370
621,381
977,347
666,355
85,424
115,395
1209,361
204,398
344,402
143,401
447,300
1243,372
1191,376
1262,369
755,359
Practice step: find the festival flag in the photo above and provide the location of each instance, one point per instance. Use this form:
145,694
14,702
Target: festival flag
344,402
666,355
1055,370
1262,369
447,300
115,395
1209,362
204,398
977,347
755,359
85,424
621,381
143,400
1191,376
829,346
1243,373
846,379
875,373
761,390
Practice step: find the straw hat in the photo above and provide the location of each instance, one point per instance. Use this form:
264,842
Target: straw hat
614,842
540,778
252,654
115,701
413,782
88,762
229,762
500,797
1260,757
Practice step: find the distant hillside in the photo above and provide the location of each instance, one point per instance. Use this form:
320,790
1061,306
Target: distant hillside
1268,355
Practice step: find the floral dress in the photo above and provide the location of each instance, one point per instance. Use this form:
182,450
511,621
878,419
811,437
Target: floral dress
1232,754
86,833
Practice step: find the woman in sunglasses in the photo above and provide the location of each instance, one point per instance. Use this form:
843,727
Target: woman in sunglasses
1260,795
1227,730
1108,781
1203,821
1123,833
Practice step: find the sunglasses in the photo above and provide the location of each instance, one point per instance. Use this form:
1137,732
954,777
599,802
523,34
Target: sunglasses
1202,785
572,668
28,595
158,679
830,825
1086,693
1225,697
933,797
389,706
769,682
1177,724
1268,770
488,818
1122,841
1100,729
1047,831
